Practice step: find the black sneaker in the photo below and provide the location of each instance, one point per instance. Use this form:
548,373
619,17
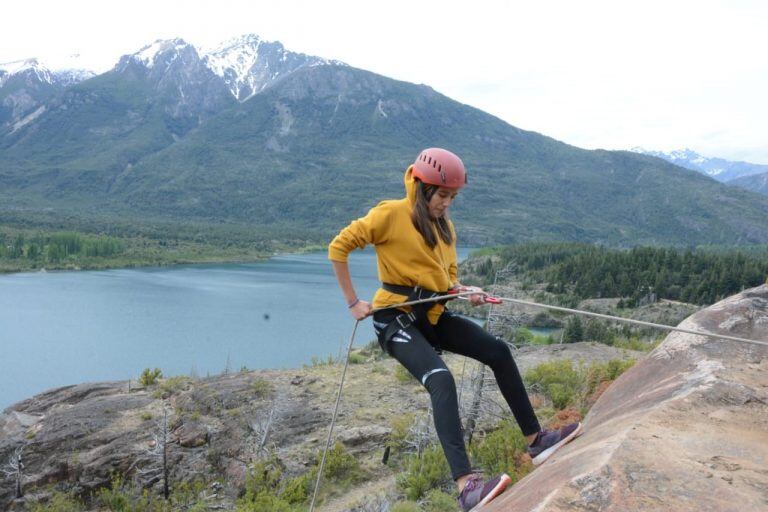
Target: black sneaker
548,442
476,493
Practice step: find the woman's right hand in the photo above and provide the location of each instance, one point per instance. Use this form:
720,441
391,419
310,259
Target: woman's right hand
361,310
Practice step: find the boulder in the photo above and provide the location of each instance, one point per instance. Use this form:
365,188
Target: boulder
685,429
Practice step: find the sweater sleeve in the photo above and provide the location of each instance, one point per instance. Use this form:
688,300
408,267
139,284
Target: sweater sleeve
371,229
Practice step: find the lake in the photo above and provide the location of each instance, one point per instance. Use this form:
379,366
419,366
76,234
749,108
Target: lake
61,328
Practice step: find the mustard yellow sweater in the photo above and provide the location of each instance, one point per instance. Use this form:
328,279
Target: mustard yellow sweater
403,256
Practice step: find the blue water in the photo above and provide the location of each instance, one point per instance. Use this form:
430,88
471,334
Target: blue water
61,328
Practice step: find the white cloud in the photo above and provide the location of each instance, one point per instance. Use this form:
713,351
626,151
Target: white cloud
610,74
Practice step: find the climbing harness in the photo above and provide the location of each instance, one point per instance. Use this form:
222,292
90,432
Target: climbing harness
488,299
344,373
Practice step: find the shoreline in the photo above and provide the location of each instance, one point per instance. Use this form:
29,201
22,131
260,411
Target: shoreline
138,263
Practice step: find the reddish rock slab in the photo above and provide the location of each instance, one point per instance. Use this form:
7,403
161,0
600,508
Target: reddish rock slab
685,429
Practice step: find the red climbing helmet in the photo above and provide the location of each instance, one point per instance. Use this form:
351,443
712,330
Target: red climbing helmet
437,166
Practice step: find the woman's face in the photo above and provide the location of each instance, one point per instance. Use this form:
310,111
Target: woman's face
440,201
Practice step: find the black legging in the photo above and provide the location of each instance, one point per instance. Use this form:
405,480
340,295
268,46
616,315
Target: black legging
461,336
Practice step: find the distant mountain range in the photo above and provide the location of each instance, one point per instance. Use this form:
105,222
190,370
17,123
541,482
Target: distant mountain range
252,134
743,174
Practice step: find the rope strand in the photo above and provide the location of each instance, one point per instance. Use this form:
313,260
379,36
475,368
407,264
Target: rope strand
505,299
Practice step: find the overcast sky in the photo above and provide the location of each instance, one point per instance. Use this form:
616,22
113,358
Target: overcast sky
596,74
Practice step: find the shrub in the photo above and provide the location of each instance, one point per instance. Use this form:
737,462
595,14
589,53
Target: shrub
298,489
266,503
610,371
114,498
503,451
356,358
401,425
567,386
122,497
59,502
542,340
263,477
635,343
262,388
439,501
171,385
149,377
523,336
558,380
339,465
405,506
424,473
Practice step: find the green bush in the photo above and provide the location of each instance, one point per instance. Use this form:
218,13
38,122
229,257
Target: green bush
401,425
567,386
266,488
405,506
262,388
558,380
523,336
59,502
263,477
424,473
266,503
170,385
123,497
297,490
543,340
635,343
114,498
439,501
339,465
503,451
598,373
149,377
262,489
356,358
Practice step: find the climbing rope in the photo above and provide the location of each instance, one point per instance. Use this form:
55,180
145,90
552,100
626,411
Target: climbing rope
503,299
344,374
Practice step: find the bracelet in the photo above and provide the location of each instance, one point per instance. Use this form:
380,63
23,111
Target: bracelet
354,302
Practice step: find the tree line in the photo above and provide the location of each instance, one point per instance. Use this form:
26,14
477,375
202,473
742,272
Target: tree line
697,276
57,247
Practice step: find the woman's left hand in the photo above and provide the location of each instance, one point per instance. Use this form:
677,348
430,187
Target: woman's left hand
477,299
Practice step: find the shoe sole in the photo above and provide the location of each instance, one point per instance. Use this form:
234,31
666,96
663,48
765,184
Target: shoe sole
552,449
504,481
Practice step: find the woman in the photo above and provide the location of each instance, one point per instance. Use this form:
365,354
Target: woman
416,252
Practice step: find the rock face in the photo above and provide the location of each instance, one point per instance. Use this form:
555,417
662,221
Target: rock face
686,429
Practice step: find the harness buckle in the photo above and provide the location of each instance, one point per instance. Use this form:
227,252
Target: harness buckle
403,323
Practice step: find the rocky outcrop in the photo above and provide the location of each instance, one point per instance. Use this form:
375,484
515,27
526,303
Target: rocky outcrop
75,438
686,429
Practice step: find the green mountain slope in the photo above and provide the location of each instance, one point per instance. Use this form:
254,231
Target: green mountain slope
325,143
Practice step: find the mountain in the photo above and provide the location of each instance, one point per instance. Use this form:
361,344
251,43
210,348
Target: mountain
755,182
248,64
26,85
717,168
174,134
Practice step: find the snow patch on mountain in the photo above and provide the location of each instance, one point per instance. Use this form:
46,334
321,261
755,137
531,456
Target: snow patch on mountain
65,75
31,66
248,64
148,55
717,168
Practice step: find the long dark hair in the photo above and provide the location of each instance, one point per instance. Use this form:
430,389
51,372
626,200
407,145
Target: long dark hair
425,224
